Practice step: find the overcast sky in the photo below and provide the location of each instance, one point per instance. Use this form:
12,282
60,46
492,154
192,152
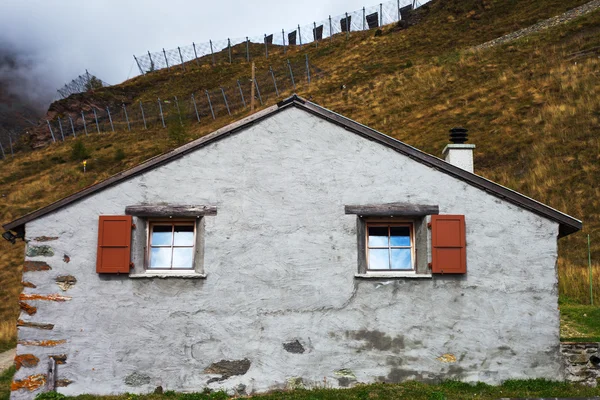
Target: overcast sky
61,38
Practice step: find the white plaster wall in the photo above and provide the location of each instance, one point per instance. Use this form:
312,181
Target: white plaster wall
281,257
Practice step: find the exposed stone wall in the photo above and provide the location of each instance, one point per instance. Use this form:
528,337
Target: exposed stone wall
582,362
280,306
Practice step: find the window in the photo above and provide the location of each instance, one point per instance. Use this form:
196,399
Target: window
171,245
390,246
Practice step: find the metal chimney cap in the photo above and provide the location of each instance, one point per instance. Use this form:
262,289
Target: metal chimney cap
459,135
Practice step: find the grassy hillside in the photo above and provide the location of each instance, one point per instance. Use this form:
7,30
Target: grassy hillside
532,108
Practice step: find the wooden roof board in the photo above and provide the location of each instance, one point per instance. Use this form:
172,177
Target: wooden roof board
567,223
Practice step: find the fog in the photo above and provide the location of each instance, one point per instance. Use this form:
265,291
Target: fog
45,44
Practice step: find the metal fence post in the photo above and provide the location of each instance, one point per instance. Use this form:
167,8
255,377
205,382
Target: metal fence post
247,50
12,153
291,73
330,30
178,110
590,270
212,54
96,118
51,133
84,125
72,127
138,64
61,129
2,148
225,99
274,82
181,58
347,27
258,92
151,62
380,15
229,49
266,47
112,127
307,69
195,107
398,8
241,93
210,104
283,39
363,19
195,54
162,117
126,117
299,36
143,116
166,60
315,34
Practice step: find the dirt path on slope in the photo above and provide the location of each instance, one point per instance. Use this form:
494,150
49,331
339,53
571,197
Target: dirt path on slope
7,359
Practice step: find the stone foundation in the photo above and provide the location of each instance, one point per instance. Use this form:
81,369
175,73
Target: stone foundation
582,362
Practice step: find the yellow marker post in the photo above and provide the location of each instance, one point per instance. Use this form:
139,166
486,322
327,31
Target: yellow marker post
84,165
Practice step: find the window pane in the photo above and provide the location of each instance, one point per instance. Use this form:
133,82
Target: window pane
162,235
378,236
379,259
401,259
400,236
160,257
182,258
184,235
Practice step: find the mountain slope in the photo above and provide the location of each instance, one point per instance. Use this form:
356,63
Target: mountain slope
532,107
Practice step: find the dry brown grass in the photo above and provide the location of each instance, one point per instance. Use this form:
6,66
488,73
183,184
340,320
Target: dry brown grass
532,110
574,282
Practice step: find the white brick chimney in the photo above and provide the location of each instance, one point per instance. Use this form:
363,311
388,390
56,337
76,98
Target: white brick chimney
458,153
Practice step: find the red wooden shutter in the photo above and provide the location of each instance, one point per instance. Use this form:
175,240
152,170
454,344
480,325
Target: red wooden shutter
448,240
114,244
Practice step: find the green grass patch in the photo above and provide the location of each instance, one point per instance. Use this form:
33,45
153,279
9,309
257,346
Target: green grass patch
580,323
532,388
5,381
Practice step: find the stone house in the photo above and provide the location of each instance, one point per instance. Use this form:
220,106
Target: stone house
293,248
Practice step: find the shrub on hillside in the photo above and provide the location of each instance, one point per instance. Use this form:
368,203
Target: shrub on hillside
79,152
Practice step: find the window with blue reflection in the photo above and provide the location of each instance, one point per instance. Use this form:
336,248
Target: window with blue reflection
171,245
390,246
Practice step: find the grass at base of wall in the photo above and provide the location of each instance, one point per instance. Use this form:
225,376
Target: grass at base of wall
533,388
579,323
5,381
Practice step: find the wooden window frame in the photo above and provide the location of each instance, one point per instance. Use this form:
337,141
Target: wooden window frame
389,223
169,222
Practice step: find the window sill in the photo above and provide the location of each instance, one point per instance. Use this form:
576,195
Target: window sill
393,275
180,275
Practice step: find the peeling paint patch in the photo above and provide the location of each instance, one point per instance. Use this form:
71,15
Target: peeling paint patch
28,284
66,282
49,297
27,308
43,343
45,238
63,382
66,258
294,347
137,379
227,369
345,377
31,383
59,358
447,358
37,325
26,360
31,266
295,382
39,251
377,340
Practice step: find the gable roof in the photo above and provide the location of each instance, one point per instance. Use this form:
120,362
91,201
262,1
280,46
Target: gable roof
567,223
